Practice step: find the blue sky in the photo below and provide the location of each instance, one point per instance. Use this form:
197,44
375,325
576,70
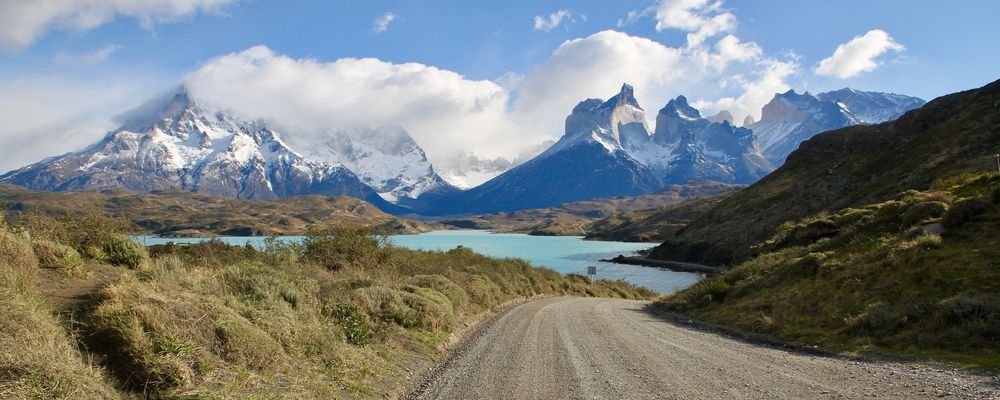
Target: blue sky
65,71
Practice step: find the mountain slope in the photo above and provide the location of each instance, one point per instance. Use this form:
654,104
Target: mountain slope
608,150
173,143
180,213
791,118
849,167
386,158
915,275
701,149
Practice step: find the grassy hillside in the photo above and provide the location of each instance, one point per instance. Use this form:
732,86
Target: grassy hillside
917,275
655,224
179,213
342,315
850,167
578,218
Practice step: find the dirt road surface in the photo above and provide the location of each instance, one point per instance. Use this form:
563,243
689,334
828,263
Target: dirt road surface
583,348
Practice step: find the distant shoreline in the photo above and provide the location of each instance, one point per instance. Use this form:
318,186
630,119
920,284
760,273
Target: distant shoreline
671,265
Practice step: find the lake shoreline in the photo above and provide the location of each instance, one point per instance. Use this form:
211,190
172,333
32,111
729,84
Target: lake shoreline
671,265
563,254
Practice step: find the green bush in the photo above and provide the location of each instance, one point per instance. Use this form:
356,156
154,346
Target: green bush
353,321
849,216
455,293
928,241
55,255
80,232
343,246
385,304
964,211
124,251
431,310
995,194
921,212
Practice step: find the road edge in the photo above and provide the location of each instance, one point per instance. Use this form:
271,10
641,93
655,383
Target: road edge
462,341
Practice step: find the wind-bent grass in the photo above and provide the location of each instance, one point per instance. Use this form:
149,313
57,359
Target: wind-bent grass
342,315
875,279
38,358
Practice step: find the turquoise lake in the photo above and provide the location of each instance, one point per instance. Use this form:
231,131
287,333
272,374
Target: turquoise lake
566,254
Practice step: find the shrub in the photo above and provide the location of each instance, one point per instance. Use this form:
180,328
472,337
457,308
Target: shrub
241,342
928,241
995,194
343,246
124,251
964,211
386,305
431,309
17,261
921,212
55,255
484,292
353,321
849,216
80,232
890,212
455,293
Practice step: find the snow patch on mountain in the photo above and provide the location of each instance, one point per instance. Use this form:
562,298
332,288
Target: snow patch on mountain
791,118
386,158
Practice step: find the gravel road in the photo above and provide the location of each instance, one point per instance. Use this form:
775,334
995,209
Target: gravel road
584,348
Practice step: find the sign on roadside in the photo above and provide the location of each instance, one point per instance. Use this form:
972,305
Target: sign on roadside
591,270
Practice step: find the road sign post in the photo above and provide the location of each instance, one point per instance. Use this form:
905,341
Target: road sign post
592,271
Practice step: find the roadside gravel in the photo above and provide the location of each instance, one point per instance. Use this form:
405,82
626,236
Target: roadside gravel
585,348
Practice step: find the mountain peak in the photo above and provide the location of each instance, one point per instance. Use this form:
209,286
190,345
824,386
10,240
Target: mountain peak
625,96
721,116
679,106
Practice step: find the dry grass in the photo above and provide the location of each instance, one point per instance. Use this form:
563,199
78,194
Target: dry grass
879,281
343,314
38,358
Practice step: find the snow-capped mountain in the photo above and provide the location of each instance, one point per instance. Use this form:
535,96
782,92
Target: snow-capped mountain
872,107
386,158
700,149
174,143
791,118
608,150
468,170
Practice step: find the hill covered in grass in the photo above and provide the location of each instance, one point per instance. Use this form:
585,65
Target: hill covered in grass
656,224
917,275
180,213
580,218
342,315
850,167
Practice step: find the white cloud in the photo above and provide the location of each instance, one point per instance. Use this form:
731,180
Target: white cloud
46,116
771,79
633,16
382,23
23,22
703,19
858,55
552,21
93,57
445,112
305,98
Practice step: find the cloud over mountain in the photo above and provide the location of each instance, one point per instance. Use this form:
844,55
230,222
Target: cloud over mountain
858,55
